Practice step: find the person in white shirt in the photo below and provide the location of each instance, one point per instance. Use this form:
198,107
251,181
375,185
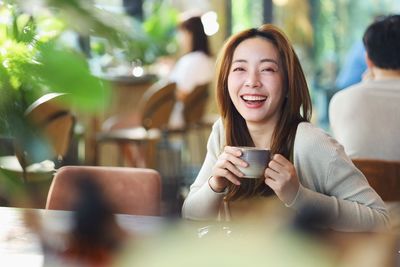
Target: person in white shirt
364,118
195,67
264,102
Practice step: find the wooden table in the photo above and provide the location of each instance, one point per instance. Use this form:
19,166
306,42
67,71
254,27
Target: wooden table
20,246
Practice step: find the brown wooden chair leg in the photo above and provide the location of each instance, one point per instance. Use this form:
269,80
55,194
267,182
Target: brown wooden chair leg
141,155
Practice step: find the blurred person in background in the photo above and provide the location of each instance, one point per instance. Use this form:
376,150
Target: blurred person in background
353,68
365,117
264,102
195,67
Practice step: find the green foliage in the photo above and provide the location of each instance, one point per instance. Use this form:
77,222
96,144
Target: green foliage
67,72
35,63
246,14
155,36
338,24
160,27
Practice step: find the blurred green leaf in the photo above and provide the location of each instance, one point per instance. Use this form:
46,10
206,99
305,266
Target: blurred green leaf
85,18
155,36
67,72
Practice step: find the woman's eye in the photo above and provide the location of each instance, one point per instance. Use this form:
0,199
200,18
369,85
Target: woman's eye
238,69
269,69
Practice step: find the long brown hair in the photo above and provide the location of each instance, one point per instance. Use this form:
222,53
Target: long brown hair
296,107
196,29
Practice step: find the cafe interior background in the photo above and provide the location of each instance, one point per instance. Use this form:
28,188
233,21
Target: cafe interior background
115,50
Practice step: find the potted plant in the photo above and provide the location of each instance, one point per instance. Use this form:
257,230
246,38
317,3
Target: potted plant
34,62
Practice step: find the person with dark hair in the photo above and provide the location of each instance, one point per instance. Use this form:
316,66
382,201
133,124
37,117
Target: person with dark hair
195,67
355,67
264,102
364,117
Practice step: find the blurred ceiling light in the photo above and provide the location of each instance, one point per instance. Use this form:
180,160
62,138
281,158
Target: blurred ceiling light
280,2
137,71
210,23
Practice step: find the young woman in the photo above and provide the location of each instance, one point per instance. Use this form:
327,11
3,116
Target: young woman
264,102
195,67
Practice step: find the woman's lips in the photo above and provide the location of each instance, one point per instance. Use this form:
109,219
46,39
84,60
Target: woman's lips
254,101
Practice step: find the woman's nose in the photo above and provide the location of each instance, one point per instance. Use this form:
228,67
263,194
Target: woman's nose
253,80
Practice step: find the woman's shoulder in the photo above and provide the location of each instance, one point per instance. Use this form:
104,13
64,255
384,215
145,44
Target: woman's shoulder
218,124
317,151
309,130
196,56
217,137
218,128
312,138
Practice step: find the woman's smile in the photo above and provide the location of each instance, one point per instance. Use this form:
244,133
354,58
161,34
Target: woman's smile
253,101
255,81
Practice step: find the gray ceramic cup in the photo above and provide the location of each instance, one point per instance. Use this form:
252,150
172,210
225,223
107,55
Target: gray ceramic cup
257,159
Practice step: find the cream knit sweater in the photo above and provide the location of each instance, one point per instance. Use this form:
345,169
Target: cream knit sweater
329,182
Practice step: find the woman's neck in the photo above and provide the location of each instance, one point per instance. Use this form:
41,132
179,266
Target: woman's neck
261,133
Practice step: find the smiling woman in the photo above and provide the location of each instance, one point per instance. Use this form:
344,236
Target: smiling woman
265,103
255,81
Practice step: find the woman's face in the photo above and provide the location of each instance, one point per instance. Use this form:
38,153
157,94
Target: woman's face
185,41
255,81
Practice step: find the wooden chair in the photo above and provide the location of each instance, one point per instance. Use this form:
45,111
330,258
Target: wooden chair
382,175
195,105
129,190
194,109
140,128
53,126
39,152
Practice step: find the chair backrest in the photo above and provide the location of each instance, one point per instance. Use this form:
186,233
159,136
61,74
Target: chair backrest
382,175
129,190
156,105
195,104
53,126
54,120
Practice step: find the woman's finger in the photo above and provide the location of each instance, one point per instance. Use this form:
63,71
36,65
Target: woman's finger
278,158
270,182
229,166
235,160
233,179
227,174
233,151
271,174
274,165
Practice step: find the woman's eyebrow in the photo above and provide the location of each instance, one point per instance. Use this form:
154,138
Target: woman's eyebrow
239,61
262,60
269,60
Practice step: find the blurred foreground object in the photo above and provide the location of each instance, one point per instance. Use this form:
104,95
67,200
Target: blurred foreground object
270,240
95,237
129,190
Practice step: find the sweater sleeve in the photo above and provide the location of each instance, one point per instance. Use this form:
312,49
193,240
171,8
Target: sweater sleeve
333,186
202,203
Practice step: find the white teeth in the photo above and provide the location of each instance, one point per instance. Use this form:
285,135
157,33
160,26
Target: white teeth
253,98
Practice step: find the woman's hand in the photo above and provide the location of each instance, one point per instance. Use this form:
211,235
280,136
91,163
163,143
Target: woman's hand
281,176
225,171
